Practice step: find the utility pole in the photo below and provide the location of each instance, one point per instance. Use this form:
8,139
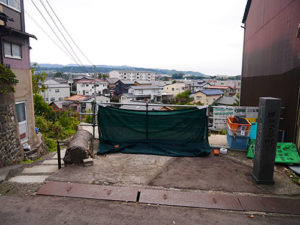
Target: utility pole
94,104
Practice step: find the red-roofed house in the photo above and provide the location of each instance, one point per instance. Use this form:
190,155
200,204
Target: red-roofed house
73,102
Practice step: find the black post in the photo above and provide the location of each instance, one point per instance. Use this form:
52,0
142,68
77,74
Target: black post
266,141
147,120
58,155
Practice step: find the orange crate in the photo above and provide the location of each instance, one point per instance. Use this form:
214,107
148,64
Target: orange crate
234,125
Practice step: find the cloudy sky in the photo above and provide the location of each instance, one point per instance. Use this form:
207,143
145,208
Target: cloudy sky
196,35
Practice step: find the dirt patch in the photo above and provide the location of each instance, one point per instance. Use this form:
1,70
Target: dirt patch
219,174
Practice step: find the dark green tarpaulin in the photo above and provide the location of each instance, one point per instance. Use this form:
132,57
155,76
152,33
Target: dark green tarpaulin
172,133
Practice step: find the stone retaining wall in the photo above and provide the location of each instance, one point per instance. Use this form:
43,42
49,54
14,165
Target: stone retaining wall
11,150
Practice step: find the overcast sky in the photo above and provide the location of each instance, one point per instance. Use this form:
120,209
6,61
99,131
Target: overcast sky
196,35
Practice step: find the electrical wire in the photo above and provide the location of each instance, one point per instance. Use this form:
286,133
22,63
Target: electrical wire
45,32
61,33
68,33
55,33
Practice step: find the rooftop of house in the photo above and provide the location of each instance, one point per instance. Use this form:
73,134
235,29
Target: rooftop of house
58,104
131,71
77,98
146,87
211,92
112,80
217,87
127,82
226,100
91,81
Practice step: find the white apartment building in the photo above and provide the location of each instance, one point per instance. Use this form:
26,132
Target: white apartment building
86,87
132,75
55,91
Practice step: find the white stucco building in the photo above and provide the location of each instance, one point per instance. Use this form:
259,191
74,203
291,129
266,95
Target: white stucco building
132,75
86,87
136,93
56,91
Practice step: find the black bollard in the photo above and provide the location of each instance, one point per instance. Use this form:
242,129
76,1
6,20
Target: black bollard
266,140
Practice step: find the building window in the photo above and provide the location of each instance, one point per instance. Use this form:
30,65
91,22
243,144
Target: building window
12,50
60,99
46,99
20,108
172,89
56,90
12,3
52,99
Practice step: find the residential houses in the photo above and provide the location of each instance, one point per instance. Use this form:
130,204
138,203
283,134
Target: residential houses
207,97
86,87
132,75
228,91
122,86
74,103
271,59
174,89
14,54
150,92
87,106
56,91
195,85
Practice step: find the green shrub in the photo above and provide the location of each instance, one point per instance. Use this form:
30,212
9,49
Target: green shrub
7,80
51,144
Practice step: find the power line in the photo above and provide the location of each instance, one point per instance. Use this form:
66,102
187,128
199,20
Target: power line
55,33
69,34
60,32
45,32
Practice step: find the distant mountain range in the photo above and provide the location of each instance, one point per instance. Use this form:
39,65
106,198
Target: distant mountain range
105,69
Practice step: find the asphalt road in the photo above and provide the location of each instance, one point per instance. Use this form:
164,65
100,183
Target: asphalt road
58,210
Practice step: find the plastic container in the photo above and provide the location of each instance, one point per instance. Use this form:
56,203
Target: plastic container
253,131
239,132
237,142
236,123
251,120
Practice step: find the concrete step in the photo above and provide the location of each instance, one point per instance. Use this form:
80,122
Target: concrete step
28,179
41,169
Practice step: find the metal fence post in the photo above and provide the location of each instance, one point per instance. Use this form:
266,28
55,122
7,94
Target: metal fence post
58,155
147,121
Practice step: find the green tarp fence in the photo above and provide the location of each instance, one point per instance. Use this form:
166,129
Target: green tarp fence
172,133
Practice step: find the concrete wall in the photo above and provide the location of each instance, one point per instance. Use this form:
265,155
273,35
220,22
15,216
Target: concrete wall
24,94
10,148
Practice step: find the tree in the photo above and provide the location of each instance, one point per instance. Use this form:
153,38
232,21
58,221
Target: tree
41,108
183,98
177,75
7,80
165,78
102,76
38,79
